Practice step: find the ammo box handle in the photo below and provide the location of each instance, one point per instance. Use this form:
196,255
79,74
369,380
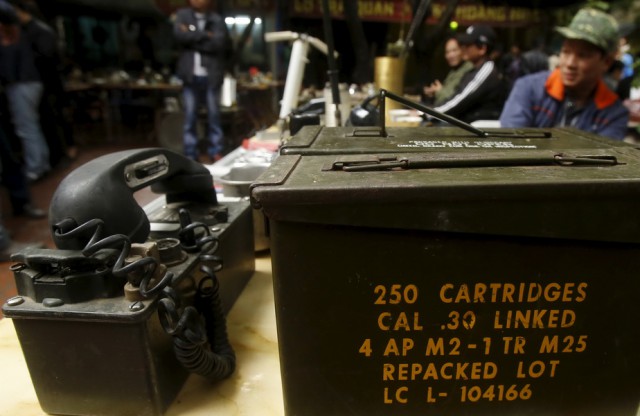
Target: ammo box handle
456,160
449,119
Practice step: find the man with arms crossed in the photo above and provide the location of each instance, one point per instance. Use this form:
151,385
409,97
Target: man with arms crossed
205,43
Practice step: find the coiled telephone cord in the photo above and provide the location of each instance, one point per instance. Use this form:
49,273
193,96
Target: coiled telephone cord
199,333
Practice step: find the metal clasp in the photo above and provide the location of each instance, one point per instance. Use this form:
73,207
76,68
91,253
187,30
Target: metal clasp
365,162
369,163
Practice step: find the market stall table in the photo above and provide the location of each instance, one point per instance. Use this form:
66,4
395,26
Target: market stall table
255,387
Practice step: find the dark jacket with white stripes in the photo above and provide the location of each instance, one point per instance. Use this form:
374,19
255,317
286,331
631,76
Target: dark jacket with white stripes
479,96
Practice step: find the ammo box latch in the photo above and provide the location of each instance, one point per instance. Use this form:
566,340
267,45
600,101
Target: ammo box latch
361,163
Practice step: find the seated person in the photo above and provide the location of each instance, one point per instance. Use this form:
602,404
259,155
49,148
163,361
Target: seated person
438,92
575,93
480,94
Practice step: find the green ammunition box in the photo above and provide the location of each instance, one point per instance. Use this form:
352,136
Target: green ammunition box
432,272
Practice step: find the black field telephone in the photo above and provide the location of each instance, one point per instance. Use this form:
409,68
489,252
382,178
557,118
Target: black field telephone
121,311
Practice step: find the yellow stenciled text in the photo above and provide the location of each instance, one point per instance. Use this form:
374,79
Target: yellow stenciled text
432,371
403,321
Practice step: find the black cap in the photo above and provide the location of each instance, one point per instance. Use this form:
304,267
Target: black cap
478,35
7,14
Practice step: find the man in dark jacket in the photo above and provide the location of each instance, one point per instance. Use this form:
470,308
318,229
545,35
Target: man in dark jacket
204,39
56,129
12,174
481,92
574,94
23,87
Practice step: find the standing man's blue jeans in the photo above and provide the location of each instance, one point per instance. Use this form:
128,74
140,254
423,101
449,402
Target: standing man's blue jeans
24,101
195,94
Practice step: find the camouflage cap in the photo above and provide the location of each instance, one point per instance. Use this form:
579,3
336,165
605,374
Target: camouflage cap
593,26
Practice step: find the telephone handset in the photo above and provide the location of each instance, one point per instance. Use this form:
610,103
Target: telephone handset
103,188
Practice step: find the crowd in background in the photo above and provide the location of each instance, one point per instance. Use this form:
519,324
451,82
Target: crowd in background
584,85
35,132
574,87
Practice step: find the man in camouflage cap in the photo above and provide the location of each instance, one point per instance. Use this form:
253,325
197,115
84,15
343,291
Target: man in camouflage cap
573,94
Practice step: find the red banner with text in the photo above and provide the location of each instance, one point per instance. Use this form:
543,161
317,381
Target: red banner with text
400,11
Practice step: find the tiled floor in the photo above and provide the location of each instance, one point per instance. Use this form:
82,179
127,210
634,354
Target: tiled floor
26,230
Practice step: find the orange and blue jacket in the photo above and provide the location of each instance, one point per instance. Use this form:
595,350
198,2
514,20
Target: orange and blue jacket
537,100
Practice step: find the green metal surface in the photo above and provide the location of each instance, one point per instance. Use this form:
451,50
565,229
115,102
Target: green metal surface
511,197
432,273
317,140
